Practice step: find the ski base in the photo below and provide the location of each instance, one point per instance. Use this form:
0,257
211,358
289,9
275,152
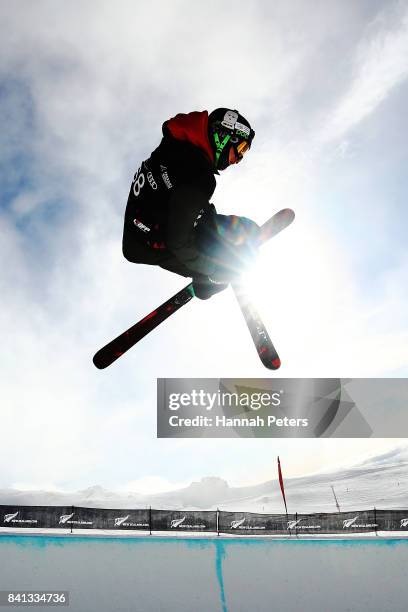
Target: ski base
115,349
264,346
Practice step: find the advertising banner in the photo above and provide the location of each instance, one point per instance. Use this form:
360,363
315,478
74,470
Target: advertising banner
211,521
176,520
50,517
251,523
45,517
246,523
392,520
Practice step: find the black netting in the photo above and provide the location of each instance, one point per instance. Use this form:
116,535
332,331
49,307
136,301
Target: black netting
238,523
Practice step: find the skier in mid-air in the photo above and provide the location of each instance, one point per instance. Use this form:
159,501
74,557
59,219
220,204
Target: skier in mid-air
169,220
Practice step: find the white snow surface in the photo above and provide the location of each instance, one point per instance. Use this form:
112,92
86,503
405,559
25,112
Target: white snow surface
109,533
380,482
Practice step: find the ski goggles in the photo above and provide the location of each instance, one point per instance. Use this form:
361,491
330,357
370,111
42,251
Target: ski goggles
242,148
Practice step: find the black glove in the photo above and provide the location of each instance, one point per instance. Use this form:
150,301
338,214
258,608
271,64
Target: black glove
237,248
235,230
230,241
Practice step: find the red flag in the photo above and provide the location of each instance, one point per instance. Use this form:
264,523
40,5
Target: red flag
281,484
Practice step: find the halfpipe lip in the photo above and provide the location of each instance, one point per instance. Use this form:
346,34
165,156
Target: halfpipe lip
90,534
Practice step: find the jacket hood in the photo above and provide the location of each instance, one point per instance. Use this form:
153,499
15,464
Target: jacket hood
193,128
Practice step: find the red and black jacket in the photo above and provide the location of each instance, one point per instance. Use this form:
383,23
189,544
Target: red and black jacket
169,200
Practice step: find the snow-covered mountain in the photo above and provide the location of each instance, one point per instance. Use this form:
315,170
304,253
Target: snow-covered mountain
381,481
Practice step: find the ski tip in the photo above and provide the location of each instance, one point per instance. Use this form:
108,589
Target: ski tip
288,213
98,362
271,364
276,363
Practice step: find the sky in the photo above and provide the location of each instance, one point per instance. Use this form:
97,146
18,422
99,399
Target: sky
84,89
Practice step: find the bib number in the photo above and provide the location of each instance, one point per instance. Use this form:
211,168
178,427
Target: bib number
138,182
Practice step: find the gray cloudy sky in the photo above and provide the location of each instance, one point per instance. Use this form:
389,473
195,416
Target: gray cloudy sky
84,89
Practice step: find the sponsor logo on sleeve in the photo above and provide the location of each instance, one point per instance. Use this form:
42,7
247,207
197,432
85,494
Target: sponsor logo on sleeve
151,180
141,226
165,177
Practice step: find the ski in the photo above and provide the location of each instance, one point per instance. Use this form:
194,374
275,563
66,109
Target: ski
278,222
115,349
266,351
263,344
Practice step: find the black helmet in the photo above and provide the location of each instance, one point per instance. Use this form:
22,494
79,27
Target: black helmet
228,127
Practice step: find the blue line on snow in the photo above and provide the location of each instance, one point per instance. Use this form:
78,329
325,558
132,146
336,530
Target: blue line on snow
41,541
219,557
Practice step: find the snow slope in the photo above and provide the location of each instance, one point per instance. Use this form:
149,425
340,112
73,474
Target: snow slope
381,481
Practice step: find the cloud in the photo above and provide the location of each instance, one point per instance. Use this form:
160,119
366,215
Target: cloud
380,65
